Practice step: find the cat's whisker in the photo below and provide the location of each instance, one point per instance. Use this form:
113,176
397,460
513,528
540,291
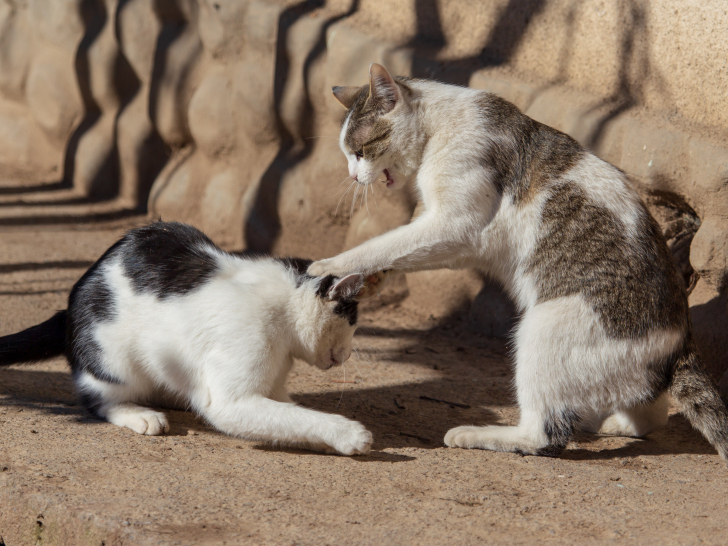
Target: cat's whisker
342,197
343,180
343,369
353,201
366,201
358,370
358,357
374,195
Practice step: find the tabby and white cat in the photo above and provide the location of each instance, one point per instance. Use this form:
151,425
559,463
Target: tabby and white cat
164,313
605,331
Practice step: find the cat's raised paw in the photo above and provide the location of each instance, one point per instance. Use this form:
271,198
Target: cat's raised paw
321,268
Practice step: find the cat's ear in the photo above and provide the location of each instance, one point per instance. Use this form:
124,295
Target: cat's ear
373,284
346,95
382,88
347,287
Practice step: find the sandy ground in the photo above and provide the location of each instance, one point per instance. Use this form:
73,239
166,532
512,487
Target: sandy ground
67,479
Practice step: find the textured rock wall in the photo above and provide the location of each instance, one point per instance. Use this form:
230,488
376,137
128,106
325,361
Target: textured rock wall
218,112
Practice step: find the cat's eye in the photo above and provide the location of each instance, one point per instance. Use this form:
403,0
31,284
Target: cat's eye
359,155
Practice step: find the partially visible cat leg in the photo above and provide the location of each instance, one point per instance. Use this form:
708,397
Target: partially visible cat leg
260,418
115,403
639,420
536,434
547,385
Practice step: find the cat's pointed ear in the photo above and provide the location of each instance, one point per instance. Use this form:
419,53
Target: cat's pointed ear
347,287
382,88
373,284
346,95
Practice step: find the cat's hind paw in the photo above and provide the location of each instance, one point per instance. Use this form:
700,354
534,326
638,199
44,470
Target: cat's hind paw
140,420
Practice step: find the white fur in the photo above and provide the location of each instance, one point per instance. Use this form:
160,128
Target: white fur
564,358
225,350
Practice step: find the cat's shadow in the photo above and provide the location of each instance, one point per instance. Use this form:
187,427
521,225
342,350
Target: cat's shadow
412,415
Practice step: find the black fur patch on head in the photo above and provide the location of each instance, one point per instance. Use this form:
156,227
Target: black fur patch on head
527,154
326,283
346,308
299,266
632,284
168,259
559,427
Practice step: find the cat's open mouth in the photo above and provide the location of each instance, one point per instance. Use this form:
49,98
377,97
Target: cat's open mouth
389,181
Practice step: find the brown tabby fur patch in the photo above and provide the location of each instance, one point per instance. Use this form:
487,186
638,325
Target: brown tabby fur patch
633,285
527,154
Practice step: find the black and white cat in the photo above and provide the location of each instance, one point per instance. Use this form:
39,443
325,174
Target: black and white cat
164,313
605,331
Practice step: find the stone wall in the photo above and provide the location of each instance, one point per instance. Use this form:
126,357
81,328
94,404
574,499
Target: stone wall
219,113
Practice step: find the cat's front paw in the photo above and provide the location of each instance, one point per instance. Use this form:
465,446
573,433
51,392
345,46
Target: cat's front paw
467,437
323,267
352,439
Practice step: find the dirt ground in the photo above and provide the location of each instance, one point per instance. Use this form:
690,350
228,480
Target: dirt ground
68,479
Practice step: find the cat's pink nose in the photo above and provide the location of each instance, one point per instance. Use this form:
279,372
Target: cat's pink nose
341,355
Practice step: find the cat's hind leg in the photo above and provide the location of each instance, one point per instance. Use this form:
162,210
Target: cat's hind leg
115,402
639,420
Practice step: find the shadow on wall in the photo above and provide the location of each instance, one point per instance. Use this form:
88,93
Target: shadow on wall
91,159
262,226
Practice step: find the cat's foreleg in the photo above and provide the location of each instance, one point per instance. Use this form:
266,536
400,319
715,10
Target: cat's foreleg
426,243
259,418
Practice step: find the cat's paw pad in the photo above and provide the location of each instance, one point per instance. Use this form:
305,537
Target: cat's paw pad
465,437
141,421
353,440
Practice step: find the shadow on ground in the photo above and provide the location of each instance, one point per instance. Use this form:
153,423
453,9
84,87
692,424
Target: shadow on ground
472,386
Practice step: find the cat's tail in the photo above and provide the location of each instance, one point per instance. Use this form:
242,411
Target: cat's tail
699,399
40,342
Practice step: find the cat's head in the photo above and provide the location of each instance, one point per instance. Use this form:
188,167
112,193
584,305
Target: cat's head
376,133
327,318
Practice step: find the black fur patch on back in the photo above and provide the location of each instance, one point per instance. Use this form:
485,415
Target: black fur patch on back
527,154
632,284
168,259
90,303
559,427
